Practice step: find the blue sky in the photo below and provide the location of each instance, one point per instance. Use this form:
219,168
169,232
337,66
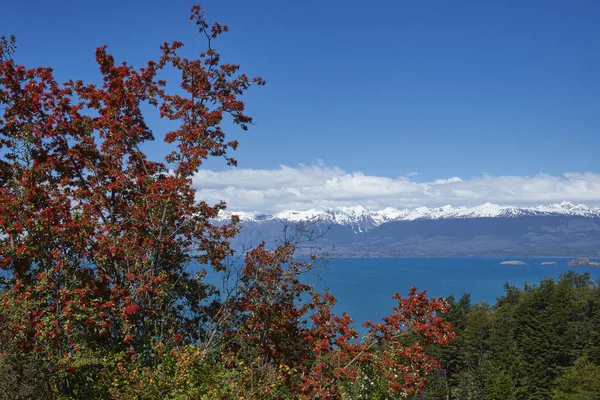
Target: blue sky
469,89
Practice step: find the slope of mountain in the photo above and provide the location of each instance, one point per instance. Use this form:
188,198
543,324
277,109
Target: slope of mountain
561,229
359,215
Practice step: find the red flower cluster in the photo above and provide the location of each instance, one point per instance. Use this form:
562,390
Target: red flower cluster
97,238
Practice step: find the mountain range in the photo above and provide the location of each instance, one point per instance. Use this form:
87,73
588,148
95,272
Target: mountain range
557,230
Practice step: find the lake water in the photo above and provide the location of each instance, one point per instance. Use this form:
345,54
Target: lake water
363,286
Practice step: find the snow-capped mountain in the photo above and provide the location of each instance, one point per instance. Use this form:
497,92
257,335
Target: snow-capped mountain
362,219
563,229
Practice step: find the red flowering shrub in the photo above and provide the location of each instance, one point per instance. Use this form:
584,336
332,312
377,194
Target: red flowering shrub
95,240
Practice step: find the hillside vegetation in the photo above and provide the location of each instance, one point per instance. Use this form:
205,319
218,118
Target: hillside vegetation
537,342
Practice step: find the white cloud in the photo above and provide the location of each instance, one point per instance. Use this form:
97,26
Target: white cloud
306,187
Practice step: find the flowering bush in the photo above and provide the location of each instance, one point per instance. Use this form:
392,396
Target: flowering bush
95,239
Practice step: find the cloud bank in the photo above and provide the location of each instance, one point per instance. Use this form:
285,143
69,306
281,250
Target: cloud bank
305,187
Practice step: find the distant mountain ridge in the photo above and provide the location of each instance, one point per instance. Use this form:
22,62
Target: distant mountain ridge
363,218
564,229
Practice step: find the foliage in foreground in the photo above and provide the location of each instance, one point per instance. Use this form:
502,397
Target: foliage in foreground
96,241
538,342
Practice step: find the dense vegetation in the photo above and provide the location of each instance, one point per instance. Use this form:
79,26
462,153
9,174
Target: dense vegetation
537,342
98,300
97,297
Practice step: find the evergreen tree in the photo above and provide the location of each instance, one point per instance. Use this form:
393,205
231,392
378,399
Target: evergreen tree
579,382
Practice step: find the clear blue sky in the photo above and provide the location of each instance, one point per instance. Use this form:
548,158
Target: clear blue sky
442,88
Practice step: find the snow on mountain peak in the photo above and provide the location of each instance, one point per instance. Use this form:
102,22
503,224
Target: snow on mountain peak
243,215
362,219
356,210
297,216
388,214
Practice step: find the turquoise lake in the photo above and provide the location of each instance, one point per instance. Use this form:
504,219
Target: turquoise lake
363,286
